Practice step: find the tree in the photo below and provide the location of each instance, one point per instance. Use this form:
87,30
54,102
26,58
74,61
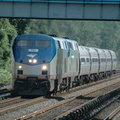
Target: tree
7,34
21,25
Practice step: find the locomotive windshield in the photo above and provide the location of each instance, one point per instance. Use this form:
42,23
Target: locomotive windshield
42,43
24,43
38,43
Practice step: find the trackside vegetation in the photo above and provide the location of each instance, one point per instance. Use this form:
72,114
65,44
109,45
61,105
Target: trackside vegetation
100,34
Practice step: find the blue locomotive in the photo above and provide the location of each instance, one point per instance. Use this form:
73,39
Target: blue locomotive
46,64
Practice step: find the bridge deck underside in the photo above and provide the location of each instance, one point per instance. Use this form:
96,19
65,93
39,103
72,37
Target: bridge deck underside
60,10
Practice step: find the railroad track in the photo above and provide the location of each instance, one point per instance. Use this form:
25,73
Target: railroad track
63,104
9,100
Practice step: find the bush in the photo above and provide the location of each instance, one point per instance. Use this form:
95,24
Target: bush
5,76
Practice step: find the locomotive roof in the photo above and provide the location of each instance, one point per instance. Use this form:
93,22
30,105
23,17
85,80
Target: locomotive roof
35,35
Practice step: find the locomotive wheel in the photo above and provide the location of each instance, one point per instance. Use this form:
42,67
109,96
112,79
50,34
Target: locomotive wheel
92,78
81,81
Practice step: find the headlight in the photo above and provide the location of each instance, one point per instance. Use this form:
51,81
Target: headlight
44,67
30,60
20,67
34,60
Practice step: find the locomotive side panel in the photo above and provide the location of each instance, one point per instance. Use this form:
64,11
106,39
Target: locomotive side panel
61,64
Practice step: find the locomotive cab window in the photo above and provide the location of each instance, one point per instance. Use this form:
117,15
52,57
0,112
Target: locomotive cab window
58,44
24,43
63,44
71,46
76,46
42,43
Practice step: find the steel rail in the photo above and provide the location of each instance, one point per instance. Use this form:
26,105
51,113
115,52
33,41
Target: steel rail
9,100
19,105
111,115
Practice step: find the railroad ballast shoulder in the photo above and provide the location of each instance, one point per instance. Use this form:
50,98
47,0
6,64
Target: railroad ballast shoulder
43,64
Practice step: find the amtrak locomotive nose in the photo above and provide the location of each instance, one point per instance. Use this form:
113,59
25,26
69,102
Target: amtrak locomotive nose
33,54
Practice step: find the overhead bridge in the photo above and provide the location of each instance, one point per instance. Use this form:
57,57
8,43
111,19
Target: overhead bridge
61,9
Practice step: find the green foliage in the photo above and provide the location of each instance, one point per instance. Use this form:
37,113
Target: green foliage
5,76
9,29
7,34
21,25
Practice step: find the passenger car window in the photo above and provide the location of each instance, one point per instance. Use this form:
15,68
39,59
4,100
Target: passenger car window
103,60
82,59
87,59
24,43
42,43
95,60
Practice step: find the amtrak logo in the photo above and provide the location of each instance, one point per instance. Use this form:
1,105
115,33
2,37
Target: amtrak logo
32,55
